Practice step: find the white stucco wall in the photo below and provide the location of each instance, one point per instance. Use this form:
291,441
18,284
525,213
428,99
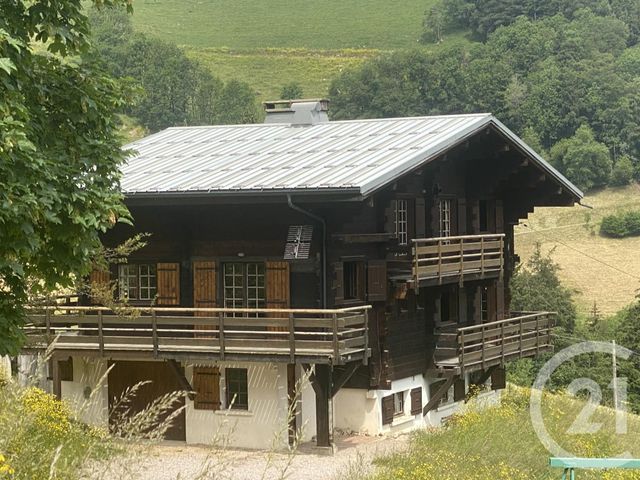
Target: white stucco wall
264,425
88,392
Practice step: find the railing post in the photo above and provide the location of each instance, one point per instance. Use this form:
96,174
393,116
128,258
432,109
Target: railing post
537,334
483,345
521,333
440,261
154,332
221,334
482,257
461,261
501,241
47,321
462,351
502,346
336,346
365,360
416,265
292,338
100,334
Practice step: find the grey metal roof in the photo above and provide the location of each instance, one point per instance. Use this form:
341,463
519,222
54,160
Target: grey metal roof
356,156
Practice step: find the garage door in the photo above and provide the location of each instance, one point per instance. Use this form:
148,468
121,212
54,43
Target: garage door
163,380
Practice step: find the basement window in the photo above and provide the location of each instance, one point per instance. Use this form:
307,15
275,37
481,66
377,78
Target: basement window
398,404
237,388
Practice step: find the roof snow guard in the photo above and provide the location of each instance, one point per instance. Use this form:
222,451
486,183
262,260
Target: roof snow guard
352,157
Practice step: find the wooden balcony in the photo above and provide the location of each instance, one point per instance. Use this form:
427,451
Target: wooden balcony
478,347
324,336
440,260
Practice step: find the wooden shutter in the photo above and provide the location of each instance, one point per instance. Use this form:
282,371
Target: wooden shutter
499,378
459,390
390,218
377,280
338,283
492,306
475,217
278,290
205,293
454,305
206,383
416,401
168,283
462,216
98,282
421,218
454,216
387,410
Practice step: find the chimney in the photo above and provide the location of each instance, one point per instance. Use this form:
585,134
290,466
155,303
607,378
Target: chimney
297,112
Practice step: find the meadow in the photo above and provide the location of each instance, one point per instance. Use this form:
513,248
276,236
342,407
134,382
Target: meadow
602,271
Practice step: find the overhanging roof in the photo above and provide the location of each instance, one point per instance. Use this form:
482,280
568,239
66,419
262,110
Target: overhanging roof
355,156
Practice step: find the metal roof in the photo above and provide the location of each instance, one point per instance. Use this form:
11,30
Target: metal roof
356,156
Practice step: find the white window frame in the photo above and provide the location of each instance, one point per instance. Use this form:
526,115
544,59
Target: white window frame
402,221
247,284
399,403
444,206
130,280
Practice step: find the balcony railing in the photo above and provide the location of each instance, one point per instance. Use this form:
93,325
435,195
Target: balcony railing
445,259
286,335
477,347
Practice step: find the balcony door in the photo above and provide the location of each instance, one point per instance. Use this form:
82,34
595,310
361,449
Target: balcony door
244,285
447,217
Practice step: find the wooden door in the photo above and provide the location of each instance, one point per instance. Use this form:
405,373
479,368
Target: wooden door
163,380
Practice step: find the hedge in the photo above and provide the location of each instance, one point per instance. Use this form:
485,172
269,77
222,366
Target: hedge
619,225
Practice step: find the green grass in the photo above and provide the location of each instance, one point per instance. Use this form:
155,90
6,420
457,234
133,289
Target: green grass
318,24
599,269
500,443
267,70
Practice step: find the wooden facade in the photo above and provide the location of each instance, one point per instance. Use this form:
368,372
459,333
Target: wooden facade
412,280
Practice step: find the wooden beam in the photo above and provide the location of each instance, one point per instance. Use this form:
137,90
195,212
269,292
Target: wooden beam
179,372
323,427
437,396
344,377
483,378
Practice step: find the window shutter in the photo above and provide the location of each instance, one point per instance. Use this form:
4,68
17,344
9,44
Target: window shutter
168,283
434,224
338,280
458,390
390,218
499,378
98,282
499,217
462,216
454,217
475,217
387,410
454,305
416,401
377,280
277,281
206,383
204,290
421,218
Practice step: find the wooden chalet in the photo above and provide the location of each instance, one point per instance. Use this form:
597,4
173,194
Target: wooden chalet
370,259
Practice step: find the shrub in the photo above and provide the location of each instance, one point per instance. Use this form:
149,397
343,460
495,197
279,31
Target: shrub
620,225
622,173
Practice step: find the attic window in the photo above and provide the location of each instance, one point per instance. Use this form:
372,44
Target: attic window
298,244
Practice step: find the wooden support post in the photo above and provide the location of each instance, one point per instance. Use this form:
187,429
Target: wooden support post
292,338
440,262
292,396
365,360
55,375
323,427
461,346
100,333
154,333
461,282
336,345
221,334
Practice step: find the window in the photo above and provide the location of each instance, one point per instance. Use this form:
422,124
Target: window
449,306
237,388
353,280
401,221
445,217
483,213
137,282
398,404
244,285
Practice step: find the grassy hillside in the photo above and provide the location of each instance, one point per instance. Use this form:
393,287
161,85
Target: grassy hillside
319,24
601,270
500,443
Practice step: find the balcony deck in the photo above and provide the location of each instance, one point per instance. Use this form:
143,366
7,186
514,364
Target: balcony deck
335,336
478,347
441,260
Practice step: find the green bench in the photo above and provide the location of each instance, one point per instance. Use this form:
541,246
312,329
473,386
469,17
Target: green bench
571,464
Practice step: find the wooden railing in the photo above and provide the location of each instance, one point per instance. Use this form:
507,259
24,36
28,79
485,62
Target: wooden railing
454,257
333,336
494,343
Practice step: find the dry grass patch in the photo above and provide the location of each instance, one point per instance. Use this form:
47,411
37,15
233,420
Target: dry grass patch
601,270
